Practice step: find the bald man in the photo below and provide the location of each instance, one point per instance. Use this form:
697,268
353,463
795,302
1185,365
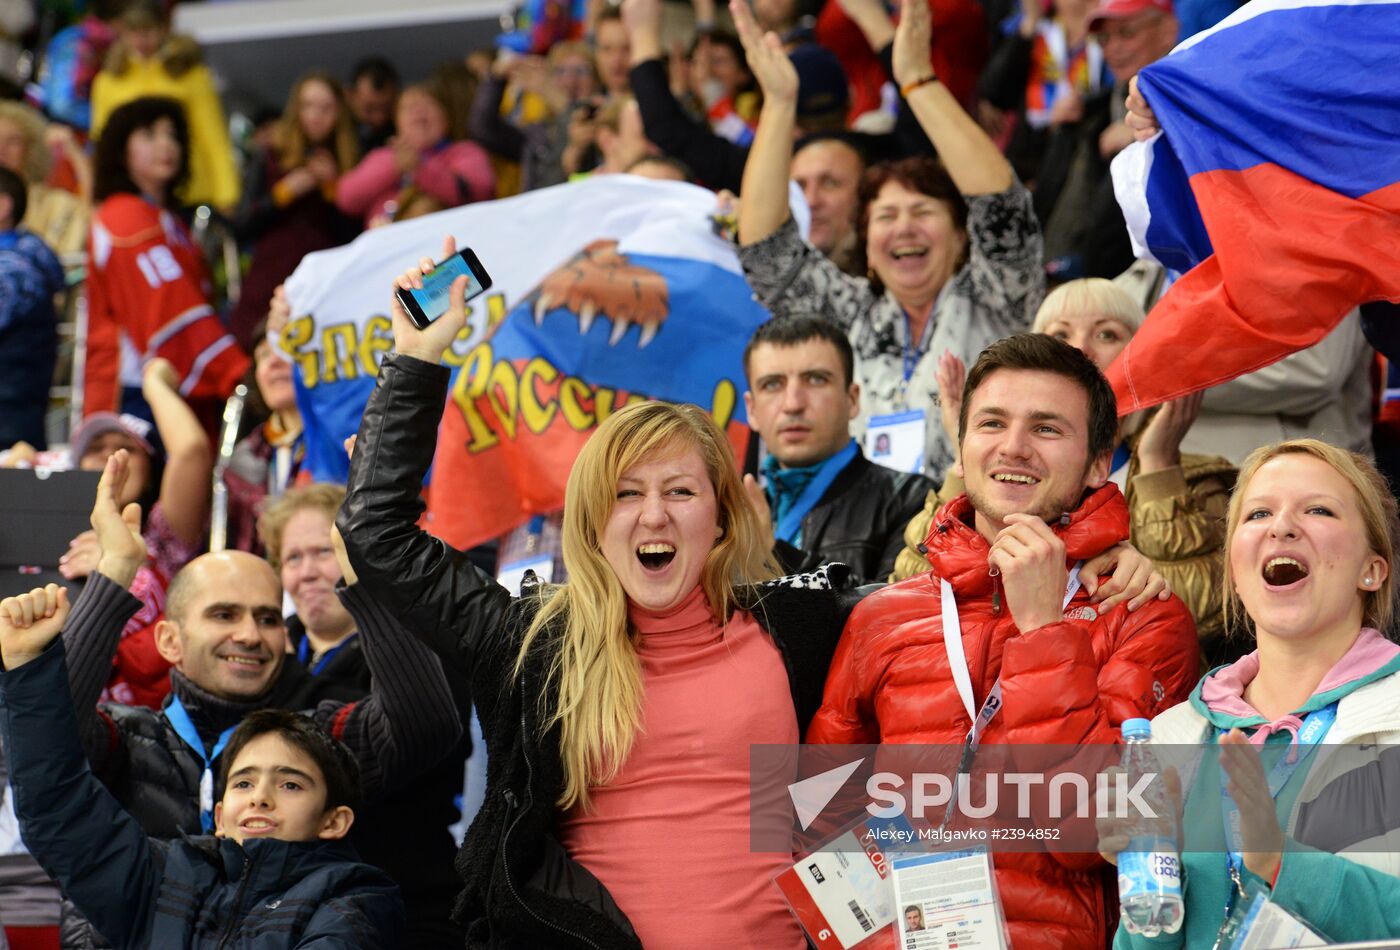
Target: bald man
225,637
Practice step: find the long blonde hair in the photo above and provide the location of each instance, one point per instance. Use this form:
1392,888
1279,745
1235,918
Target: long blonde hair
593,685
1373,500
290,137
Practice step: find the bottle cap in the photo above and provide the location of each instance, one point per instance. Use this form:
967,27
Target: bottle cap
1137,729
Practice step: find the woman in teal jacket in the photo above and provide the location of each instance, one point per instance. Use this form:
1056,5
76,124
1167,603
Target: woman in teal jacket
1311,534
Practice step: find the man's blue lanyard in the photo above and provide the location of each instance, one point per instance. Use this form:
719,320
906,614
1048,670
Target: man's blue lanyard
304,653
1313,731
184,728
787,529
912,355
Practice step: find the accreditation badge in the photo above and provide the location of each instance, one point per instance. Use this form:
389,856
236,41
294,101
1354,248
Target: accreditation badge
948,900
1267,926
897,440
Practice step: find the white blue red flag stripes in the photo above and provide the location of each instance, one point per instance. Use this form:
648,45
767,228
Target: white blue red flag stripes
605,292
1274,189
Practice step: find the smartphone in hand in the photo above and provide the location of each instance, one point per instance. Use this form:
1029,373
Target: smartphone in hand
426,305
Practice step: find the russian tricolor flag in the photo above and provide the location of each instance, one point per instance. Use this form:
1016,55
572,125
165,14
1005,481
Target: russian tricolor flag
1274,189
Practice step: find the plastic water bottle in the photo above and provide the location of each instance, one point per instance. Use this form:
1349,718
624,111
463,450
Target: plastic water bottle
1149,869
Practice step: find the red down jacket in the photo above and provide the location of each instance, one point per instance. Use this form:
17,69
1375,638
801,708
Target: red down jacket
1064,683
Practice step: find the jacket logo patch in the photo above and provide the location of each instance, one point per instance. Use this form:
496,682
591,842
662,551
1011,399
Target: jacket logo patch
1159,691
1081,613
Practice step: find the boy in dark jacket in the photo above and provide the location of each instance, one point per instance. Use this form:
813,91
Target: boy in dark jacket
278,872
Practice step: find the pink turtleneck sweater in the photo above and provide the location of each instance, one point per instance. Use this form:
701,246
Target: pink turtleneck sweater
669,837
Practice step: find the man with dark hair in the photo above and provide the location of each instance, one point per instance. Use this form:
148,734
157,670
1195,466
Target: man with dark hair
373,92
1032,658
289,792
826,501
30,275
828,168
226,639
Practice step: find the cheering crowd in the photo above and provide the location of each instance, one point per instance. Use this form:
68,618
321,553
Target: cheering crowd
245,719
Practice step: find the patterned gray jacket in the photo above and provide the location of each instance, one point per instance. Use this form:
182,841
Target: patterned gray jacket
994,295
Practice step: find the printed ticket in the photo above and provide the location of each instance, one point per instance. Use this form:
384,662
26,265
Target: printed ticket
841,894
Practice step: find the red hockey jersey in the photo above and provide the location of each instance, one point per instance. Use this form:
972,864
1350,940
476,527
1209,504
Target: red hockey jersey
148,296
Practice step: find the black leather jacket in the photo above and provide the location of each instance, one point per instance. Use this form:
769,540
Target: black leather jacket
859,521
522,890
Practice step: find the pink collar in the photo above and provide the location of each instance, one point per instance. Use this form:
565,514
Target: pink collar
1223,691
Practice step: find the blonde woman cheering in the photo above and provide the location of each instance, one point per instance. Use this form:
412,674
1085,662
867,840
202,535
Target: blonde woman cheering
619,709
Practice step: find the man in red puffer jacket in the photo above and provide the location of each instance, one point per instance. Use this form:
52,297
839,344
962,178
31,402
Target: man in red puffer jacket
1036,437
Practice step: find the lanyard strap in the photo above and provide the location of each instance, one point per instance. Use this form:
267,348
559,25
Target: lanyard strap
304,653
962,676
1315,727
912,355
184,728
791,523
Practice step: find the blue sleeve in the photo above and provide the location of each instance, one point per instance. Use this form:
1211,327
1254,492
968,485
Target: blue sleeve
71,824
1339,897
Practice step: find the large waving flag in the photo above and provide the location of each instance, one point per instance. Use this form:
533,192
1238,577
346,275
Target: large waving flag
1274,189
606,291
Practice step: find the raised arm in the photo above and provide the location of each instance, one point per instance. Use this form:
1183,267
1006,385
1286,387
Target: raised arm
873,21
71,824
435,589
189,459
973,161
94,628
409,720
763,205
716,161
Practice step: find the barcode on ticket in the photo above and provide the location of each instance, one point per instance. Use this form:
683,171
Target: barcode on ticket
861,918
